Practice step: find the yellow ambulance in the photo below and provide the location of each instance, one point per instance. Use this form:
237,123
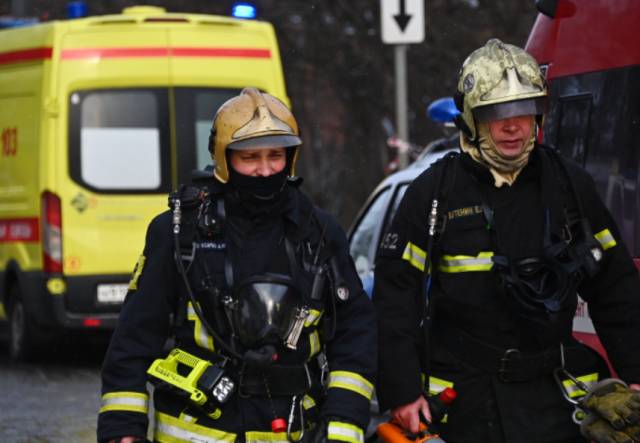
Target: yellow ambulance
100,118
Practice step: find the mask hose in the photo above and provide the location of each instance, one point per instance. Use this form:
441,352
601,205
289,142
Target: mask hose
177,219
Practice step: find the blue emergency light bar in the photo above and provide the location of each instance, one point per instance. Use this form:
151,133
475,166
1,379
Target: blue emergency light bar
77,10
442,110
244,10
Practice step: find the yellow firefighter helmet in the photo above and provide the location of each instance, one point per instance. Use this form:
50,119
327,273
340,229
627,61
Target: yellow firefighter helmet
499,81
252,120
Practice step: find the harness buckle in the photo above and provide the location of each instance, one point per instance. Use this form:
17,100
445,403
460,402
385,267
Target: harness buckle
503,366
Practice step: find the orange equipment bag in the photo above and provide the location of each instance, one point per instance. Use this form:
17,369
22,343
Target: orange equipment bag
392,432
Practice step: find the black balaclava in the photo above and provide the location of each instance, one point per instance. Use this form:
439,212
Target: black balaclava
258,189
259,197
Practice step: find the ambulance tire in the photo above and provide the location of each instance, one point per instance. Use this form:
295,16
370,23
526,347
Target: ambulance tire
20,345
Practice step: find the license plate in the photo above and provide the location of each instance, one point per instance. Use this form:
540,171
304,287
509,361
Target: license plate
112,293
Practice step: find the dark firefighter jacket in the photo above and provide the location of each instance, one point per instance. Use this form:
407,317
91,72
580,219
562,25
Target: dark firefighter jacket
254,243
463,300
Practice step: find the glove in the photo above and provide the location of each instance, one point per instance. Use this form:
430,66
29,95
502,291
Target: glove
613,400
334,429
597,429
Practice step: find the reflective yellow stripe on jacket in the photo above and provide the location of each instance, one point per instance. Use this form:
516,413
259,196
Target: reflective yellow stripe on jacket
266,437
351,381
606,239
125,401
173,430
414,255
200,334
465,263
574,391
314,342
188,418
436,385
344,432
313,318
308,402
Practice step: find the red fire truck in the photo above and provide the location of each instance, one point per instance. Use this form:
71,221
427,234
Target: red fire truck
590,52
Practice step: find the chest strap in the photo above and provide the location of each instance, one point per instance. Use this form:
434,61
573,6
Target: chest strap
512,365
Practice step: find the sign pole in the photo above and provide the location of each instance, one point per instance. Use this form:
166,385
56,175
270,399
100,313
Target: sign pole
402,121
402,23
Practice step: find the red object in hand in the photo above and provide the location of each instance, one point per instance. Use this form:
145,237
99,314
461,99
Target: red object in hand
278,425
448,395
439,404
275,357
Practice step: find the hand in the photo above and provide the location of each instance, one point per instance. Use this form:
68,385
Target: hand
598,429
408,415
615,402
125,440
634,386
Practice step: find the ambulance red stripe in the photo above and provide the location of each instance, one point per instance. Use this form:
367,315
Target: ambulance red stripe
19,230
25,55
221,52
89,53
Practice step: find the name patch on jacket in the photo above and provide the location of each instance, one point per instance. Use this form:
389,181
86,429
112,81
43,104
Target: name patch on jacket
465,212
212,245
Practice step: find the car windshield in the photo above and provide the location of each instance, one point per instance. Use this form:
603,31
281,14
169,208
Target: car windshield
397,198
362,237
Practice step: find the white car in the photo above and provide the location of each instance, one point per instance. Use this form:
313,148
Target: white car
378,211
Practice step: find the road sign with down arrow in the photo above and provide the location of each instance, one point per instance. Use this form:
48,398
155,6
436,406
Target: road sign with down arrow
402,21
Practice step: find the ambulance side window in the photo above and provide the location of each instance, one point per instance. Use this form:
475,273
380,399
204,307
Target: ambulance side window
119,140
360,241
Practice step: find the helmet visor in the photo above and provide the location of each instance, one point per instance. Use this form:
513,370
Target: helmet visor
266,307
266,142
517,108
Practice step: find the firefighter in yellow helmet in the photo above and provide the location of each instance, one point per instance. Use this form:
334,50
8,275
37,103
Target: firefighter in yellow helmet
503,236
249,122
259,282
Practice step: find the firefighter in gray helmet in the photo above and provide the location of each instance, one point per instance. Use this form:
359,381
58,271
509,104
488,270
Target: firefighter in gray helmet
507,233
237,268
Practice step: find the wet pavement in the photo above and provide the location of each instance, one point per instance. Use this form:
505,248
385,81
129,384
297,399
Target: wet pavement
55,399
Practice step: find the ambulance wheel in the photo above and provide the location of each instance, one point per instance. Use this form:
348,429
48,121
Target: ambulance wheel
19,334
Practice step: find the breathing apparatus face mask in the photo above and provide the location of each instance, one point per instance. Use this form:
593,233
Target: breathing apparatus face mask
267,306
535,287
